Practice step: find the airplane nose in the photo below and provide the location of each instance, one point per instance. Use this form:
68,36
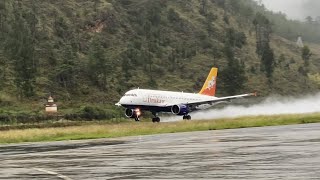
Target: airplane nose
120,102
123,100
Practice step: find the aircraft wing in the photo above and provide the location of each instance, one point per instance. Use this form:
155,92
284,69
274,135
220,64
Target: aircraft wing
221,99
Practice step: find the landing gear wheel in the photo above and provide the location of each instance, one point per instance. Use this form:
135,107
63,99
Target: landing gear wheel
156,119
186,117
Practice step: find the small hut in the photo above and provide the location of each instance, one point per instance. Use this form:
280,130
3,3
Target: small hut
51,107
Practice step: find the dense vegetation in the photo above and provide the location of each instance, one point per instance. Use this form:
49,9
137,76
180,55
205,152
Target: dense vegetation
88,53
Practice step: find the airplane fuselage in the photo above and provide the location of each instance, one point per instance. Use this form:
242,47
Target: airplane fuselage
159,101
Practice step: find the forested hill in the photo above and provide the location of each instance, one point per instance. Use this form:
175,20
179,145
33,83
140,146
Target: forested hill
93,51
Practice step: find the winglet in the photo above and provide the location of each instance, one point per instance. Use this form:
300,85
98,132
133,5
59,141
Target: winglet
209,87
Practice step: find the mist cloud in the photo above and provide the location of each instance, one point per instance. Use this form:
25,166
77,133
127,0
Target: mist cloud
270,106
311,8
294,9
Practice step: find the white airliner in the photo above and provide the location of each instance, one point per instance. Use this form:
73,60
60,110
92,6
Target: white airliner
178,103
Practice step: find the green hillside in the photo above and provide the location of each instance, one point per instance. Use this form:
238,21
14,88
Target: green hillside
91,52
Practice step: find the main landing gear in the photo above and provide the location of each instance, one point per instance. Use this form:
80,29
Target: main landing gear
187,117
137,119
156,118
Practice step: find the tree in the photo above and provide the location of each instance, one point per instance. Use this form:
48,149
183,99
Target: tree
96,4
21,49
233,76
66,70
203,7
236,39
235,5
309,19
99,66
306,54
268,61
220,3
281,60
3,34
173,16
154,14
263,31
3,12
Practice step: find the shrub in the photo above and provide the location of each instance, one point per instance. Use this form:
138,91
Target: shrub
93,112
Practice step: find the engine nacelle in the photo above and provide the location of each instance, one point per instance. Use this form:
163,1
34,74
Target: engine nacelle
132,113
180,109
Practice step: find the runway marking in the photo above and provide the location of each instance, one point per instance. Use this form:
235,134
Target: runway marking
121,177
53,173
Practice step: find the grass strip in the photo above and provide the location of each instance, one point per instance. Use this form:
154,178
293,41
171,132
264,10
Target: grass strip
95,131
56,124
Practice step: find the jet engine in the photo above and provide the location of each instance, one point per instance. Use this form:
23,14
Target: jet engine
132,113
180,109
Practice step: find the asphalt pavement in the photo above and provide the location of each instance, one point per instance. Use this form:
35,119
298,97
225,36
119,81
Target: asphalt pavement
284,152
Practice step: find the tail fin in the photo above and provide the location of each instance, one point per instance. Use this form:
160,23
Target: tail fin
209,87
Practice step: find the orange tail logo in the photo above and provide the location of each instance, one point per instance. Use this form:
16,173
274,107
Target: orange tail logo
209,87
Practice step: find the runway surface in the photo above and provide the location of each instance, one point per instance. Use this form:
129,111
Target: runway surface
286,152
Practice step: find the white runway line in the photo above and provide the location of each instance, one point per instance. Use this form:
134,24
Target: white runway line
53,173
121,177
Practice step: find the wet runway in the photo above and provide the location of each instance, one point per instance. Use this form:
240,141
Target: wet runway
287,152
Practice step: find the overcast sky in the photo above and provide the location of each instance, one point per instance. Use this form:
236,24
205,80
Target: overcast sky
295,9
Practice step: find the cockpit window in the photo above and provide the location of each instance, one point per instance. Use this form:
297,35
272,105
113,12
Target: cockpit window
132,95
